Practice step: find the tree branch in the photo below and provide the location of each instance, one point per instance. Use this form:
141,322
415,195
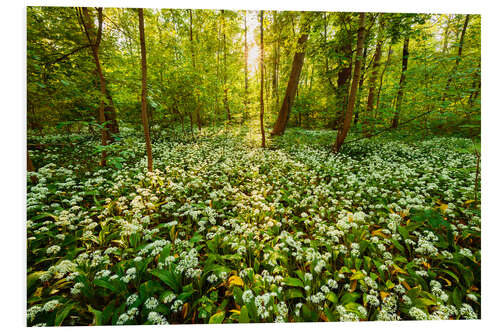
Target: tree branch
67,55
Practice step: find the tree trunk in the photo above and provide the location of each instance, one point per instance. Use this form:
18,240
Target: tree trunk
360,88
399,99
343,78
476,88
110,115
458,58
293,82
278,70
445,39
262,79
144,91
373,78
387,62
342,134
193,59
245,100
94,42
325,36
217,72
31,168
226,103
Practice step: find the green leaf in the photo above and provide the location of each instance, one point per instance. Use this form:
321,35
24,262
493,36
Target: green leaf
398,245
33,279
217,318
332,298
244,315
107,285
170,278
349,298
293,282
63,313
97,316
294,293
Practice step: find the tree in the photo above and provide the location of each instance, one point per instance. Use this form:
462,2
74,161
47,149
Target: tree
387,62
361,81
193,57
293,81
342,133
399,98
144,91
458,57
94,42
262,79
31,168
373,78
226,88
344,51
245,102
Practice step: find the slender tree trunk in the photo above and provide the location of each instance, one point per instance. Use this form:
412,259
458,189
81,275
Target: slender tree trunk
193,60
217,70
373,78
109,108
245,101
354,87
31,168
293,82
94,42
361,83
344,75
458,57
110,115
278,51
261,116
387,62
476,88
399,99
226,102
445,39
325,46
144,91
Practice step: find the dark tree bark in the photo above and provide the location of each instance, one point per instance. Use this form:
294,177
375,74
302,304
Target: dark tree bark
342,134
144,91
373,78
261,116
293,82
343,78
399,98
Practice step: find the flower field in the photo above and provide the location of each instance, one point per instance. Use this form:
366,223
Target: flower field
225,232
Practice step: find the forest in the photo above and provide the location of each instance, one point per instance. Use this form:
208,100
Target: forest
194,166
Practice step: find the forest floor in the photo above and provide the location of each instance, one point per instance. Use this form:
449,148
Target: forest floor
225,231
